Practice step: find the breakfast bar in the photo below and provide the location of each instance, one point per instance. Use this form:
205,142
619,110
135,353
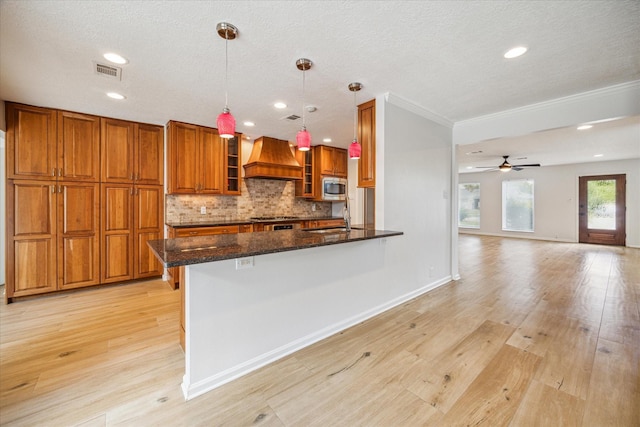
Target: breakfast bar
253,298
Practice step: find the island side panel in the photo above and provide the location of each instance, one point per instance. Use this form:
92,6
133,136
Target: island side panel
240,320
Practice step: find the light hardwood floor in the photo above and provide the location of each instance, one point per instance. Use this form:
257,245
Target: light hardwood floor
534,334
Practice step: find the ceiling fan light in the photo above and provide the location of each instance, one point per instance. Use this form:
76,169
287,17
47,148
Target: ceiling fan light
354,150
226,124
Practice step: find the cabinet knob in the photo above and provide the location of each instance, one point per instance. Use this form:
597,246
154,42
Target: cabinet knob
193,232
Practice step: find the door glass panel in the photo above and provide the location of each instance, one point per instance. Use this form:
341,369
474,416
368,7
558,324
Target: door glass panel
601,204
469,205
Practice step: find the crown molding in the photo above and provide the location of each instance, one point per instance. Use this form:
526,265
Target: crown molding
621,88
403,103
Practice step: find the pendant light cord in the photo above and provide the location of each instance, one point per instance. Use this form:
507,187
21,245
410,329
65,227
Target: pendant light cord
303,81
355,117
226,70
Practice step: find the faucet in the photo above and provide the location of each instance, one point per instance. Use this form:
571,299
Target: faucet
346,213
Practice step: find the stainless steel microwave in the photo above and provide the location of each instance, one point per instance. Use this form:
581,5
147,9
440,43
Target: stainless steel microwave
334,189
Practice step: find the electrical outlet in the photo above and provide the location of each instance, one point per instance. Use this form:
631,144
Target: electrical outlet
242,263
203,210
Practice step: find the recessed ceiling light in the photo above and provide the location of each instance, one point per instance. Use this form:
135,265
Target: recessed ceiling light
247,137
115,58
326,140
469,167
250,124
280,105
515,52
584,127
598,155
115,95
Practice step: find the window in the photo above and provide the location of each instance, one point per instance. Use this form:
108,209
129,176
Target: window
469,205
517,205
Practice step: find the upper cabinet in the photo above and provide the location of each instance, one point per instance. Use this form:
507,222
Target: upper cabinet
333,161
233,155
306,186
200,162
132,152
44,143
367,138
78,147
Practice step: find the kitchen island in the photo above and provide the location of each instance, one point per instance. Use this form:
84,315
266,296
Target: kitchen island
253,298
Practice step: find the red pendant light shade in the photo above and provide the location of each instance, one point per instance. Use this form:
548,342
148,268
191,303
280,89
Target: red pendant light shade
354,150
303,138
226,123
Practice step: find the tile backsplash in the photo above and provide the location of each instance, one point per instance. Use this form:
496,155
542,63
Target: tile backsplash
260,197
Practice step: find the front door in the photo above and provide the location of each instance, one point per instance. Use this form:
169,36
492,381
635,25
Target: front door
602,209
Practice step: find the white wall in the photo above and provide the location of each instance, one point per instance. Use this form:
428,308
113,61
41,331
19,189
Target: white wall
555,199
414,193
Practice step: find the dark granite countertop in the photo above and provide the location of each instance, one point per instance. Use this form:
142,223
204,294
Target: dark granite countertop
201,249
216,222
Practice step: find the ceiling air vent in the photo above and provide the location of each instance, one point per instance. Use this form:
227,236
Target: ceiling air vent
108,71
292,117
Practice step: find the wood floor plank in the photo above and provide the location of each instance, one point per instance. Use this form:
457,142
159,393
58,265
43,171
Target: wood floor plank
453,371
494,396
547,406
614,391
110,356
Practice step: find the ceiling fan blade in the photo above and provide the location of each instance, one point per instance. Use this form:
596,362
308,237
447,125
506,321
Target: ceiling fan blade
533,165
516,168
484,167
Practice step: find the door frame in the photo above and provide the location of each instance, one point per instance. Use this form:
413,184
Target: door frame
603,237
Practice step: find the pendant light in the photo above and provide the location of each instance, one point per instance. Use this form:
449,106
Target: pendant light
226,123
355,148
303,138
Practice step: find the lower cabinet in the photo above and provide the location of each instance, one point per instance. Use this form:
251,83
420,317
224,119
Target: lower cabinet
53,236
174,232
131,215
325,223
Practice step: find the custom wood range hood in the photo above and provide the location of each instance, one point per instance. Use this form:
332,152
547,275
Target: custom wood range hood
272,159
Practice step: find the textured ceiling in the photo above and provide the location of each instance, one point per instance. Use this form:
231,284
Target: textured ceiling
444,56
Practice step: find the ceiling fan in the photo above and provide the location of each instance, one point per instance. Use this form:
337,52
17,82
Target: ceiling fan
506,166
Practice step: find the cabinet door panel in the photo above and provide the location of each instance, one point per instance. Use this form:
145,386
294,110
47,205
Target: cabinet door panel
117,150
116,233
117,265
326,161
78,235
183,158
149,223
78,147
31,238
149,155
31,142
367,137
147,263
211,161
340,162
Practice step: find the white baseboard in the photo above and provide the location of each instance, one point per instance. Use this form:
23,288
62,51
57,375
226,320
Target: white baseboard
196,389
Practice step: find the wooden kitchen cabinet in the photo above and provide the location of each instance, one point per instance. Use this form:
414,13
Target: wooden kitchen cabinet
195,159
31,142
175,232
132,152
325,223
306,187
56,222
52,241
333,161
367,139
131,215
232,179
48,144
